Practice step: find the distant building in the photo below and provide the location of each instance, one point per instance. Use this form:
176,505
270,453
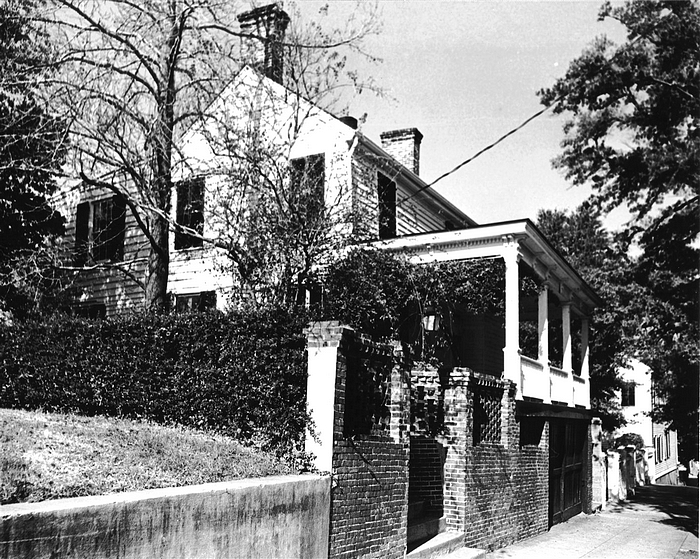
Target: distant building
660,442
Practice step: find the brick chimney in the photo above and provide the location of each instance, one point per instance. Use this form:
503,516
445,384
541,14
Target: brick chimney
264,50
404,146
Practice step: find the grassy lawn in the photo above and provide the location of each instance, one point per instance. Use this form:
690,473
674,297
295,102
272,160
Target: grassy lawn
51,456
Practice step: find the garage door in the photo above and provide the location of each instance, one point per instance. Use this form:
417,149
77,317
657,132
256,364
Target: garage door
567,445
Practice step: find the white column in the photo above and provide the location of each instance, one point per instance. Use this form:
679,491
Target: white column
320,403
543,326
543,342
511,352
566,361
585,363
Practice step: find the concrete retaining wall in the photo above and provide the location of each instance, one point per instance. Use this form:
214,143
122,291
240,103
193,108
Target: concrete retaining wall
264,517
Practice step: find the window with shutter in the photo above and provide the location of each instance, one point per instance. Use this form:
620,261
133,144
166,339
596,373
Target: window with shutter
99,230
190,212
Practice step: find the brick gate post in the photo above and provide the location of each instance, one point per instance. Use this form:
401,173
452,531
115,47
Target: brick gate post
457,427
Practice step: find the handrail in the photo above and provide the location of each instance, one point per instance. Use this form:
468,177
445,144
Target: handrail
532,362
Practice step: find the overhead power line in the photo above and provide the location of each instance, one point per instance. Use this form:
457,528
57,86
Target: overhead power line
482,151
539,113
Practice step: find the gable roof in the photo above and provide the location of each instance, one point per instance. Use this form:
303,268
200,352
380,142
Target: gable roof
250,79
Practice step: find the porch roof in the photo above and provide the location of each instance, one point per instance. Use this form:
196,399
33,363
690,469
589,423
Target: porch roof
489,241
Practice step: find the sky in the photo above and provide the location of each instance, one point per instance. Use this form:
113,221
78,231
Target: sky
465,73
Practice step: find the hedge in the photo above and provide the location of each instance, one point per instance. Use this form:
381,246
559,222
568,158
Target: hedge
242,375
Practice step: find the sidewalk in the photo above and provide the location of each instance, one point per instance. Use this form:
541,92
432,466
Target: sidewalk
660,522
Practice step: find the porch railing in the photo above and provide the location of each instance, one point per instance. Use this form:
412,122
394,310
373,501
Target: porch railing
552,384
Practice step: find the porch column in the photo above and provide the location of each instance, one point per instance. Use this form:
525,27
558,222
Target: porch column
566,359
585,364
543,326
511,351
566,362
543,342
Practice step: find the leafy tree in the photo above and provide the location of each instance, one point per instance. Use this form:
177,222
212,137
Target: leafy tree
138,75
634,136
634,131
387,297
30,152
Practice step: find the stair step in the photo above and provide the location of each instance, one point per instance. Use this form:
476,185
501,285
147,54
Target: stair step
443,543
425,528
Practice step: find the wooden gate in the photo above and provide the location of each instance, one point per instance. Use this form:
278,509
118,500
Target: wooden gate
567,453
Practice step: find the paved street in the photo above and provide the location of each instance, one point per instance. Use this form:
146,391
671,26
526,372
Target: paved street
660,522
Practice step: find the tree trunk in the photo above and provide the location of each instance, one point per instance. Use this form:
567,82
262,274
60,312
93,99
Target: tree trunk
158,267
159,255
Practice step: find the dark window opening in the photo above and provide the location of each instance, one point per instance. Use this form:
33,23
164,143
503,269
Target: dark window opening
190,212
531,429
307,185
386,191
195,302
628,393
99,230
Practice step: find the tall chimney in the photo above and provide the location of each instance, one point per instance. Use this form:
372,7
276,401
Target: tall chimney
264,48
404,146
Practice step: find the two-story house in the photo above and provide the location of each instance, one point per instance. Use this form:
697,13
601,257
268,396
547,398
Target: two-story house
261,140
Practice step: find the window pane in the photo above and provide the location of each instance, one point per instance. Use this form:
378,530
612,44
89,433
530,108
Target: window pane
628,398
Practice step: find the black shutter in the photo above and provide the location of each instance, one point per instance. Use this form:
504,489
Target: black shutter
182,202
82,220
386,194
207,301
116,229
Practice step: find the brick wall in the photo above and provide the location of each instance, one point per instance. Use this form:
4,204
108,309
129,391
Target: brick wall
369,496
495,492
469,455
365,204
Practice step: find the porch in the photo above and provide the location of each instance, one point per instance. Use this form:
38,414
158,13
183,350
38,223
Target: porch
564,299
